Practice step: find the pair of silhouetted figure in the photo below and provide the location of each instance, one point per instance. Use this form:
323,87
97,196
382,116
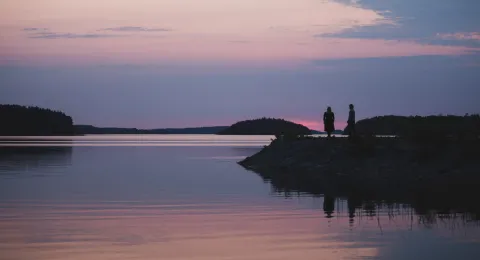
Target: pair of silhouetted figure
329,122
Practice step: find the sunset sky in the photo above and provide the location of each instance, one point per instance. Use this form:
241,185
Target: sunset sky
179,63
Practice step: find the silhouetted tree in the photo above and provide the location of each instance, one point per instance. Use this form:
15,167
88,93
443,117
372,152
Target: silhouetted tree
266,126
89,129
421,127
21,121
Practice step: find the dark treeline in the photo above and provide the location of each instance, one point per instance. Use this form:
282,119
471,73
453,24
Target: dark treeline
266,126
34,161
22,121
88,129
421,126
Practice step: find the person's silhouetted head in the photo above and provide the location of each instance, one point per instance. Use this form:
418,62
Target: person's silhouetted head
329,109
350,106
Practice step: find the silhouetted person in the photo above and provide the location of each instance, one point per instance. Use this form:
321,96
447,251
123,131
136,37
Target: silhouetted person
329,121
351,122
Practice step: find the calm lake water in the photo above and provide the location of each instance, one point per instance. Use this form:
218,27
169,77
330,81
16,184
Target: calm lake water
184,197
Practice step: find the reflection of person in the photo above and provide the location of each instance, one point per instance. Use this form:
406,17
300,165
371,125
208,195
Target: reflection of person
351,122
329,121
351,204
328,205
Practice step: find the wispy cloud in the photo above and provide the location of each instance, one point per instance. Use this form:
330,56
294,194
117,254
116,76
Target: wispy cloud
54,35
135,29
45,33
33,29
460,36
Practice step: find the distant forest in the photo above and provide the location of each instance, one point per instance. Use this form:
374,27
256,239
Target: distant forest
266,126
468,125
88,129
23,121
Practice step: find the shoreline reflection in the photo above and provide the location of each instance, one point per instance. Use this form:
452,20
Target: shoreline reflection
34,161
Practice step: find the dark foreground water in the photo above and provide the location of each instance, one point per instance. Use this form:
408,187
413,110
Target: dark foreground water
184,197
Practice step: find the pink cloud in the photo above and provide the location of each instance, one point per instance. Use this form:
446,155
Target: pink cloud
195,35
179,49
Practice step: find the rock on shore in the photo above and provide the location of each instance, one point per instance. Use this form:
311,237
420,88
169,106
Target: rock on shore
378,167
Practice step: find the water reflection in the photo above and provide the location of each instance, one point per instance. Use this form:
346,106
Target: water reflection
153,232
328,206
137,140
428,210
222,231
197,203
30,161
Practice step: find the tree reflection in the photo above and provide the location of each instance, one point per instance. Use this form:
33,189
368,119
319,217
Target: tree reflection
419,209
33,160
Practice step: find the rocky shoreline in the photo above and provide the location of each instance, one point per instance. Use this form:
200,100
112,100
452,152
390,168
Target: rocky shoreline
378,168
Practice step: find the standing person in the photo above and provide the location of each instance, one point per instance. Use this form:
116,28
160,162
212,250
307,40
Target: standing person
329,121
351,122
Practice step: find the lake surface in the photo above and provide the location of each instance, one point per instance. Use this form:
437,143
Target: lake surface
184,197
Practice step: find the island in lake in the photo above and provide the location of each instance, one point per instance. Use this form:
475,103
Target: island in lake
427,157
93,130
266,126
434,159
262,126
33,121
419,125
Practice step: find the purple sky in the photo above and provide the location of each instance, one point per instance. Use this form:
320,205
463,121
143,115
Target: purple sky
168,63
